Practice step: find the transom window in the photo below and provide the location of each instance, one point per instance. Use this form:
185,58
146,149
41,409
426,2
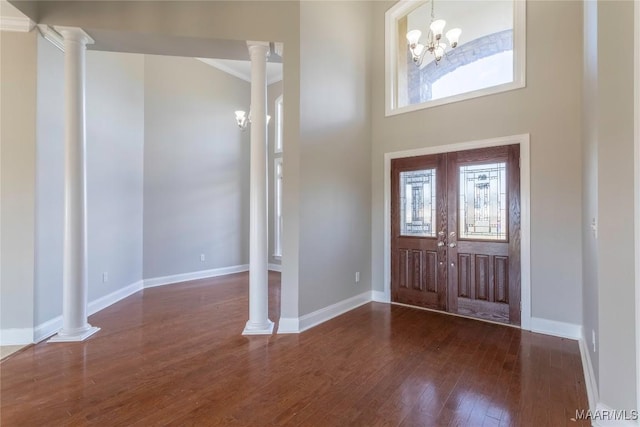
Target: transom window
487,56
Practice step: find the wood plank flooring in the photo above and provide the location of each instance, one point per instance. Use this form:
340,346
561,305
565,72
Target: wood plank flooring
174,355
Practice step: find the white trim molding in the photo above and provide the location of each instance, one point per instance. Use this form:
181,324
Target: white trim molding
556,328
636,191
380,296
589,376
597,408
308,321
47,329
275,267
52,326
16,24
112,298
601,421
196,275
16,336
525,211
404,7
288,325
52,36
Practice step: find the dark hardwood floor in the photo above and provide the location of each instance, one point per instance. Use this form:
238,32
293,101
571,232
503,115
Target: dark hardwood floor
174,355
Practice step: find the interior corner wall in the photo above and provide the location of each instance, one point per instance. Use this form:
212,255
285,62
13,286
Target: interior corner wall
196,168
274,90
590,182
115,136
615,241
335,152
18,62
548,109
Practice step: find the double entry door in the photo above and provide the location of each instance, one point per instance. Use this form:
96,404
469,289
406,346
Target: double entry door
455,232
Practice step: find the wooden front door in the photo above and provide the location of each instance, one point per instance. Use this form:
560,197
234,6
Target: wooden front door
455,241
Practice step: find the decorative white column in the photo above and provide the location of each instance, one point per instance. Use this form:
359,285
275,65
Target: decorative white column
74,277
258,323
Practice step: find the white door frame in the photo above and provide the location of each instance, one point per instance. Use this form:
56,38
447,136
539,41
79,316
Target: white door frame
636,157
525,209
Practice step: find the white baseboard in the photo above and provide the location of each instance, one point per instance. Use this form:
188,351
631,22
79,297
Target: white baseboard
293,325
598,409
16,336
380,296
196,275
589,375
288,325
603,420
47,329
555,328
275,267
317,317
112,298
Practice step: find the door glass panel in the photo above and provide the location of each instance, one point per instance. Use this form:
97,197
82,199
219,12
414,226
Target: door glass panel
418,203
483,202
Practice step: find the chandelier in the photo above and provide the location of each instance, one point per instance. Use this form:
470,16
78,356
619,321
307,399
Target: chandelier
433,43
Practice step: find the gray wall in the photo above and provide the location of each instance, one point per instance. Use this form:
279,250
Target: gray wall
608,132
590,180
115,137
17,176
196,168
549,109
335,147
50,183
274,90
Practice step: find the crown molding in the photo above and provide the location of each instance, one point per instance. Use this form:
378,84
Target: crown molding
52,36
222,67
16,24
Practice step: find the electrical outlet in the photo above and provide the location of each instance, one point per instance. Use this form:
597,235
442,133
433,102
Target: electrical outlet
593,339
202,257
357,276
105,277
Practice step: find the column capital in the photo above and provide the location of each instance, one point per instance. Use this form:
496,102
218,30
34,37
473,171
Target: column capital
257,47
74,34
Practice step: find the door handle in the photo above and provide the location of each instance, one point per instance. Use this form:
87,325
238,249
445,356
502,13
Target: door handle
440,244
452,245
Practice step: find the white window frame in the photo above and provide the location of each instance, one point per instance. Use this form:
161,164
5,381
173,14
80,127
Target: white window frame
402,8
277,207
277,146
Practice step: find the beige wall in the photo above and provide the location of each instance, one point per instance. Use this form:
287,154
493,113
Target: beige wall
335,147
18,63
590,181
196,168
549,110
615,177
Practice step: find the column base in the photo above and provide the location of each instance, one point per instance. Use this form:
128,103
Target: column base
80,336
261,329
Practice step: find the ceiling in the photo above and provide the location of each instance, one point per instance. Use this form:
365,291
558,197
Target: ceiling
231,56
242,69
8,10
